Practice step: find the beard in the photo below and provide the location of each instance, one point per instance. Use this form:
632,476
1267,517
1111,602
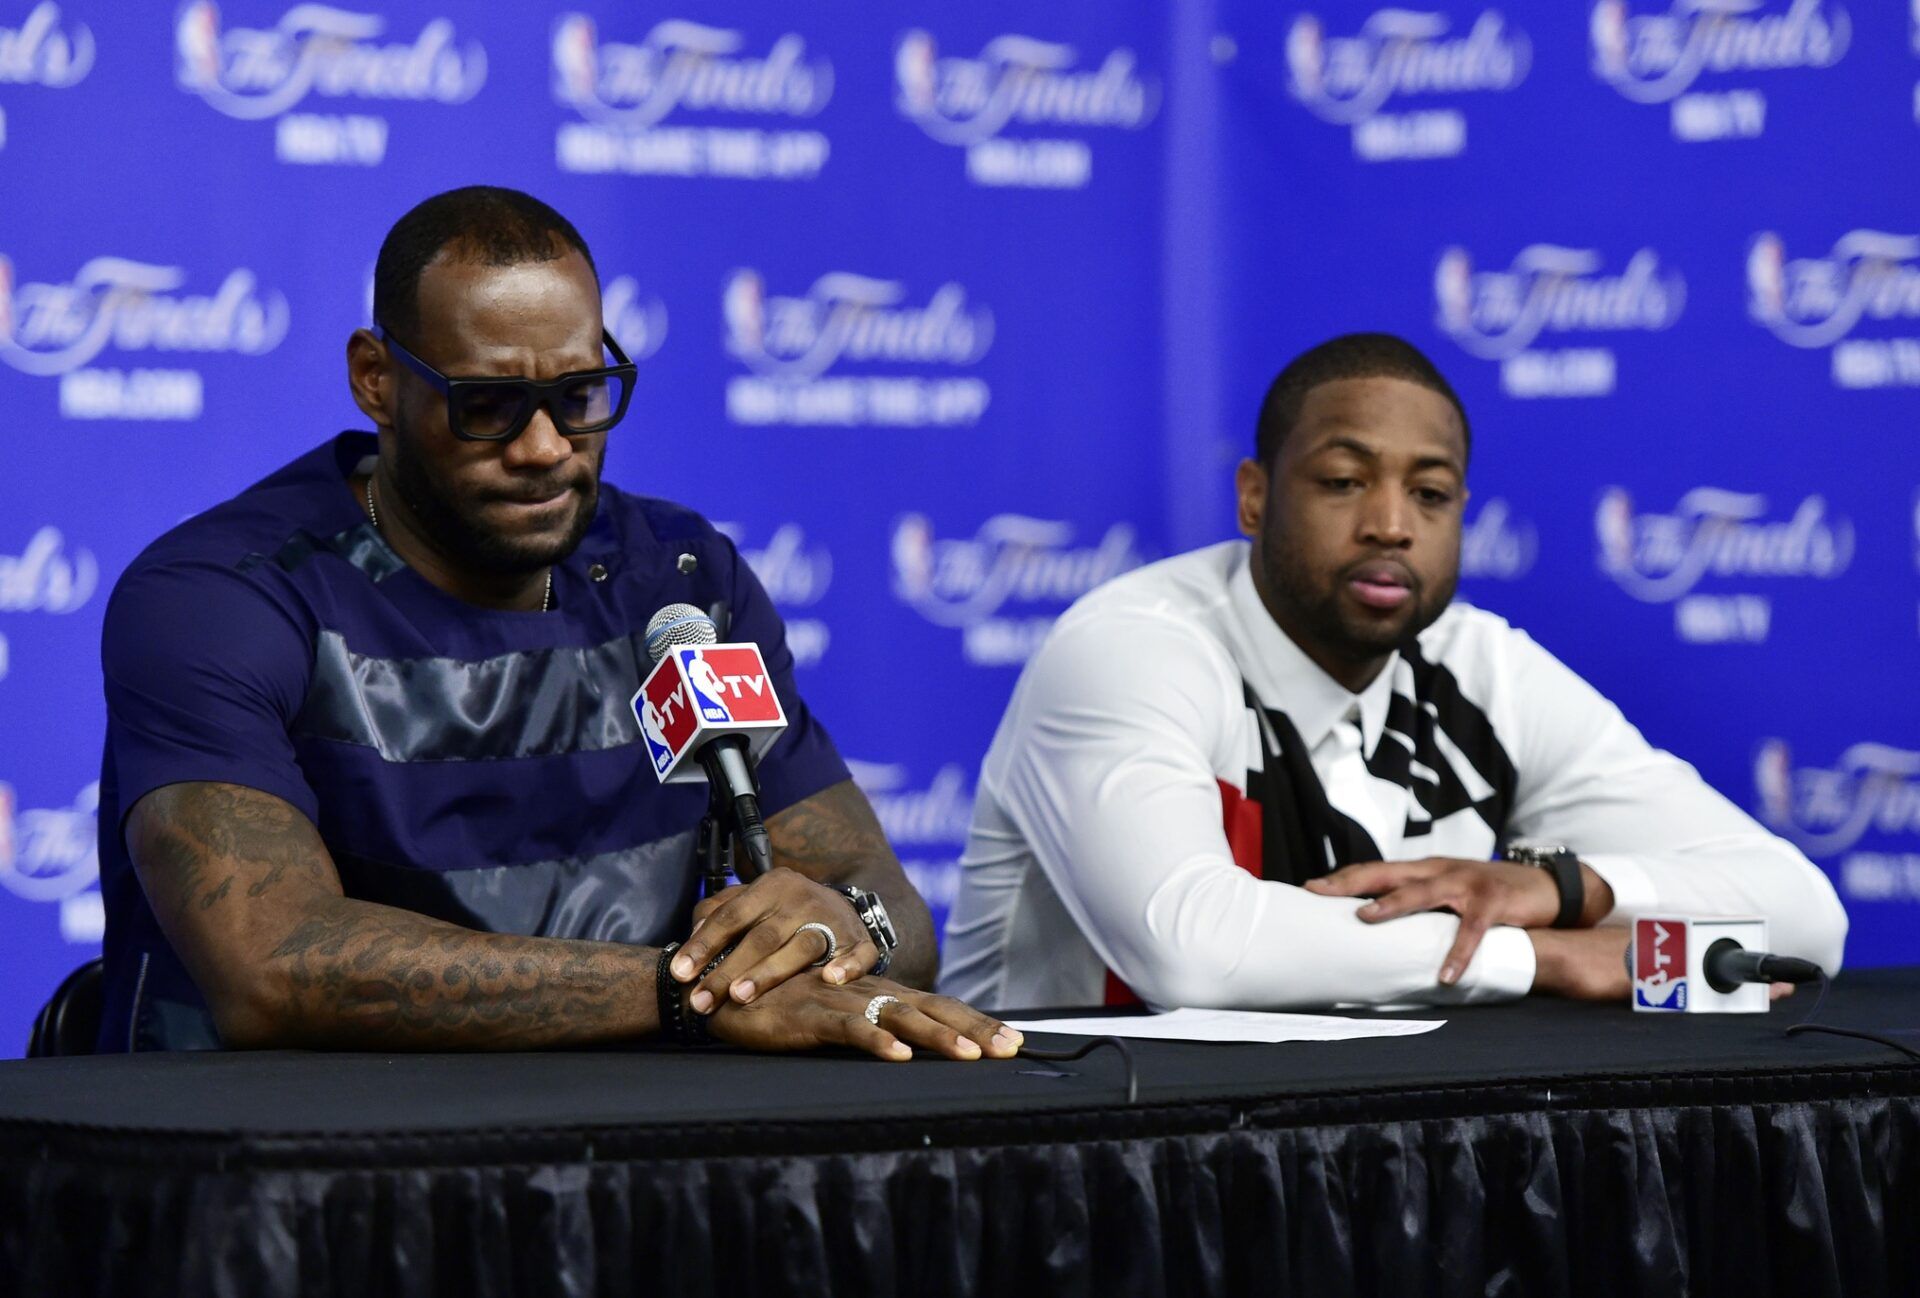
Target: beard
1315,607
459,531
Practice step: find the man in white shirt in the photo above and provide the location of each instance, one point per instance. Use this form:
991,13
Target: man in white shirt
1213,761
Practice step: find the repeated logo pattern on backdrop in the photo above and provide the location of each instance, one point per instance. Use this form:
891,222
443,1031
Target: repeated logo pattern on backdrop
903,287
1667,252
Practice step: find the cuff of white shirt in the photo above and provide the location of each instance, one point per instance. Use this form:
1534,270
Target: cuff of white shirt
1502,968
1633,890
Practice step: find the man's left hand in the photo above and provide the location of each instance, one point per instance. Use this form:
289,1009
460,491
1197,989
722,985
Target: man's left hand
1481,893
764,918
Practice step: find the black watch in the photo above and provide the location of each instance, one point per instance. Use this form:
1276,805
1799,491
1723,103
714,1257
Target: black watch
1564,864
873,914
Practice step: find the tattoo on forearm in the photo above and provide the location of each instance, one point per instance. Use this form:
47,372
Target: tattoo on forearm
352,972
830,832
378,973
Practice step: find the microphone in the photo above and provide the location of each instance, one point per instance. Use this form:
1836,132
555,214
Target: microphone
1708,966
1728,964
715,704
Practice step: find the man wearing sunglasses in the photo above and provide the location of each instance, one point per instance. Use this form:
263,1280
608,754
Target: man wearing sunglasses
372,780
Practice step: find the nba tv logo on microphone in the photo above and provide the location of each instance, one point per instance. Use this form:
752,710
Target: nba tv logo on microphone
1660,965
699,692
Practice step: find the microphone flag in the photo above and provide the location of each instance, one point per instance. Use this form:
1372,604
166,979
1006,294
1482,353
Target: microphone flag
698,693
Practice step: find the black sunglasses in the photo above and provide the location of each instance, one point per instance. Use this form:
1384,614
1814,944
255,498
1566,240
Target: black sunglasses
493,409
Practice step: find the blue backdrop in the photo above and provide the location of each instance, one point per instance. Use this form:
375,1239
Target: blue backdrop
949,314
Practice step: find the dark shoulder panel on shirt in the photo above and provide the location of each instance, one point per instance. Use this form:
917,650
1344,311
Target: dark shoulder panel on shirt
299,510
650,519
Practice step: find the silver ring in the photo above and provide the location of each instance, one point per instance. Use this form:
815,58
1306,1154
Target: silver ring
877,1004
833,946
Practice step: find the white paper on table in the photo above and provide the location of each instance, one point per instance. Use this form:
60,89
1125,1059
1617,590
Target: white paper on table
1233,1025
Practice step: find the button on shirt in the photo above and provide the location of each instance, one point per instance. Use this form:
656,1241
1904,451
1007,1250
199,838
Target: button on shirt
1104,834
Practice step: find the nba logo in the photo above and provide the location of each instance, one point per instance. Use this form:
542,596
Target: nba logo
1453,290
1660,964
709,691
1767,278
1306,56
196,43
1773,778
576,71
667,717
744,304
1613,527
6,826
1608,29
913,71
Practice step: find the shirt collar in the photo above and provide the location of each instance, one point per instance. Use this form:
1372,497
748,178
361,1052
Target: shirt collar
1286,679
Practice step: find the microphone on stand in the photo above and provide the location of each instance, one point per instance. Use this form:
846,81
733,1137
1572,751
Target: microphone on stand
1708,966
715,704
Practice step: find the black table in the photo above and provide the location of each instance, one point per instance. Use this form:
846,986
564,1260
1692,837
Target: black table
1540,1148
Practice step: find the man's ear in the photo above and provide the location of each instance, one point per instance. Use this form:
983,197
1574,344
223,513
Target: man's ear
1250,485
370,378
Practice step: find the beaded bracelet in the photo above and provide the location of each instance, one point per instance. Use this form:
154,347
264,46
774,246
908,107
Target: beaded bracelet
668,995
676,1018
698,1029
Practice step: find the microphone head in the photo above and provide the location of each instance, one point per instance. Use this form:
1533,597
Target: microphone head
676,625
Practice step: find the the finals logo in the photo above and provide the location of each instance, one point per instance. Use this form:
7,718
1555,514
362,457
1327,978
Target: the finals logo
908,356
748,102
1400,54
316,51
1869,278
1661,57
1024,109
1567,297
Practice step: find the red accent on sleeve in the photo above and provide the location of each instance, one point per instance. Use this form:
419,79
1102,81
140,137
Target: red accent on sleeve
1240,816
1118,993
1245,828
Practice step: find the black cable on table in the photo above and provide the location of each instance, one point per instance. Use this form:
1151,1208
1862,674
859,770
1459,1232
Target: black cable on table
1094,1043
1806,1024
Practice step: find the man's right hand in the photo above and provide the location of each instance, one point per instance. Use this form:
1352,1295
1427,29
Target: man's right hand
803,1013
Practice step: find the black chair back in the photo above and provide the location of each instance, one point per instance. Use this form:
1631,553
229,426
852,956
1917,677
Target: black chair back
69,1023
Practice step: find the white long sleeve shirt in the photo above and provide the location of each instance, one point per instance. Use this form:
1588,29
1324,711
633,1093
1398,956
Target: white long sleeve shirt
1127,766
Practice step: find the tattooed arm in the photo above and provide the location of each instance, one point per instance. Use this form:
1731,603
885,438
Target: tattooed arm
245,890
832,837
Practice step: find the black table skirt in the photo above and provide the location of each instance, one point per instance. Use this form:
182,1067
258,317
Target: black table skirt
1535,1149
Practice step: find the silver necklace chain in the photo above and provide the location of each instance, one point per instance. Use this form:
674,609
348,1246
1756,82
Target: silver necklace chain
546,598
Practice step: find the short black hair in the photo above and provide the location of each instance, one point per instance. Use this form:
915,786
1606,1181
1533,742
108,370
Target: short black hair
484,224
1350,356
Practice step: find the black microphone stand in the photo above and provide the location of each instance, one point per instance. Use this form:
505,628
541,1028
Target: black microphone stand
713,853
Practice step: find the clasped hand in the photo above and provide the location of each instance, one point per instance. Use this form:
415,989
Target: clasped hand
1481,893
759,994
763,922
